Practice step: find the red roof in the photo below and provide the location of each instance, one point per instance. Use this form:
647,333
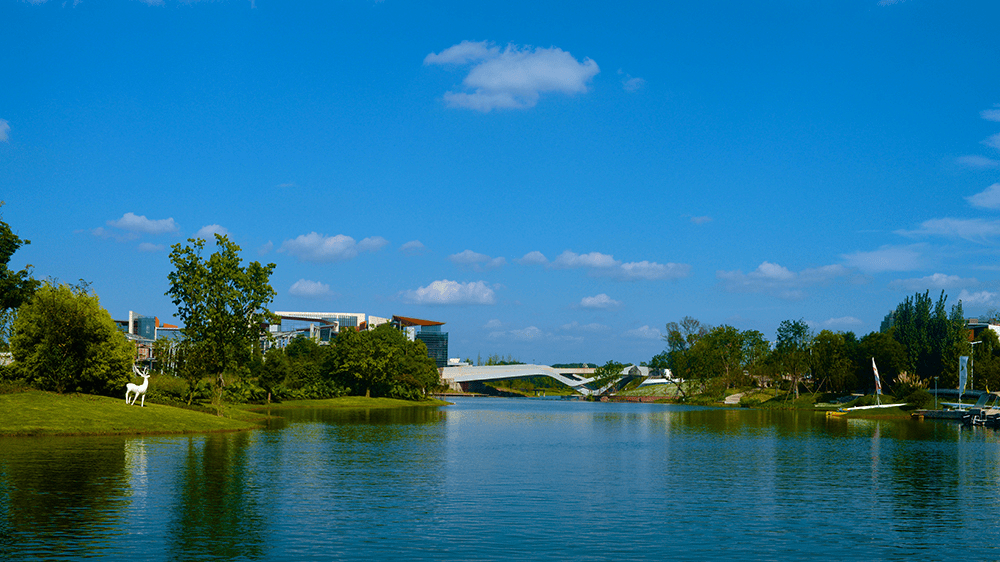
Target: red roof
404,321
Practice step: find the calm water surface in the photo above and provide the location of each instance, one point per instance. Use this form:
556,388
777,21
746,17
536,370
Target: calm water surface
500,479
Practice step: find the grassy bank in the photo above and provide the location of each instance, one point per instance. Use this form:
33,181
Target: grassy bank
45,413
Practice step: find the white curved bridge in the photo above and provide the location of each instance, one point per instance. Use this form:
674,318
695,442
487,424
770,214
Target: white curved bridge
459,377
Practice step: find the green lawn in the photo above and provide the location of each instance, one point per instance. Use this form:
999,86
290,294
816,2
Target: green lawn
45,413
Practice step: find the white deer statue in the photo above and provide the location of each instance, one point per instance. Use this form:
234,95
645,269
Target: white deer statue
136,389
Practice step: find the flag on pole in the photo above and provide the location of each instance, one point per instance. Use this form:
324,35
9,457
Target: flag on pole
878,382
963,372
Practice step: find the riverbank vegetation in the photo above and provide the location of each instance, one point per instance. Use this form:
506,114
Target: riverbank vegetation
62,340
920,341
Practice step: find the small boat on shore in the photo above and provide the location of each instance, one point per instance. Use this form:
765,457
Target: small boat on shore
985,412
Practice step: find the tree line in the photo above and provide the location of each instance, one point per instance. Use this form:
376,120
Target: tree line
919,340
62,340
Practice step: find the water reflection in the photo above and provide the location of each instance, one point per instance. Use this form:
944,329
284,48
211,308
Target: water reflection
509,479
59,496
218,513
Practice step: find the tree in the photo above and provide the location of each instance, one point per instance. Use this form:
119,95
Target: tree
382,362
65,341
606,376
221,304
889,355
16,287
986,361
274,371
792,350
680,338
833,364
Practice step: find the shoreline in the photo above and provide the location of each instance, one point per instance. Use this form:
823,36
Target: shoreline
35,413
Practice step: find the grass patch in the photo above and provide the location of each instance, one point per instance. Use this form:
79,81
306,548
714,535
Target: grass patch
45,413
344,402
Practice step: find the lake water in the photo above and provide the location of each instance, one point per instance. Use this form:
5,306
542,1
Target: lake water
502,479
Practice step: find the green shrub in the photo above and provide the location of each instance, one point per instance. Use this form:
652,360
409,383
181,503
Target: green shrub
919,399
167,389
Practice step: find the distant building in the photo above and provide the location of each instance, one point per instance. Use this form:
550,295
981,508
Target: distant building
976,327
142,331
430,333
323,328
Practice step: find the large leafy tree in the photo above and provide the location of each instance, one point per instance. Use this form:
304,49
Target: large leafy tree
932,337
65,341
382,362
606,376
16,287
832,360
221,303
791,349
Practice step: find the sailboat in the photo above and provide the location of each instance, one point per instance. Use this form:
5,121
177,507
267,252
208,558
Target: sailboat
878,395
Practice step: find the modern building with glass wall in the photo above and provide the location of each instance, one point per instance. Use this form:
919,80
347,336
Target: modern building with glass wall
429,332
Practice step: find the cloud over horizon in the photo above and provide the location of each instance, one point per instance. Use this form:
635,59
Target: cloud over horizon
315,247
599,301
778,280
131,222
310,289
476,260
451,292
514,77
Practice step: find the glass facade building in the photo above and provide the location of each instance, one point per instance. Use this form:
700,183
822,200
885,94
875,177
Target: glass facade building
436,342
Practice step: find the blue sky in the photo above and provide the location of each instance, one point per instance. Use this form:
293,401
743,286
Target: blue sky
555,181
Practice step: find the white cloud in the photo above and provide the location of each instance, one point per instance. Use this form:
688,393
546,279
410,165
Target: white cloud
599,301
493,324
886,258
139,223
652,270
606,265
266,248
982,298
4,129
778,280
990,114
845,321
701,220
317,247
148,247
209,231
988,198
310,289
413,248
372,244
451,292
529,333
630,83
464,53
514,77
993,141
534,258
568,260
973,161
592,327
974,230
936,281
644,333
476,260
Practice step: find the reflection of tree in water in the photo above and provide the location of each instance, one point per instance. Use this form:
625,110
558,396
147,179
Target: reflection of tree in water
60,496
217,513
